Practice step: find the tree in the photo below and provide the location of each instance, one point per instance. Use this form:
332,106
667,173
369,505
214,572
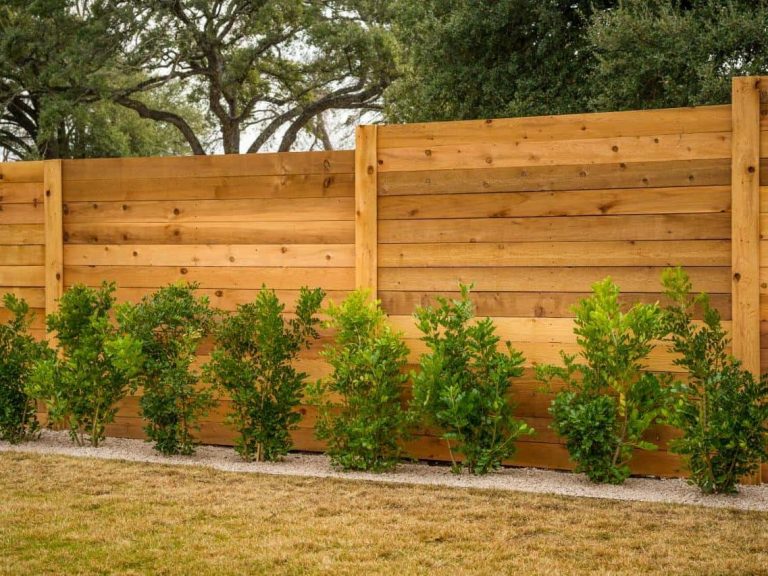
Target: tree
54,55
271,67
663,53
491,58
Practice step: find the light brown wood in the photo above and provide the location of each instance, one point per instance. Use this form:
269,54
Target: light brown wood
22,276
266,164
293,232
586,254
746,222
27,213
643,279
366,218
714,226
704,199
20,192
35,297
54,235
566,177
271,209
253,255
532,304
211,188
21,171
210,277
29,255
565,127
708,146
22,234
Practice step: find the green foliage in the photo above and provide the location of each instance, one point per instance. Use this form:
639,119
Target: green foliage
56,56
491,58
170,323
252,361
463,384
18,353
608,400
665,53
95,366
721,408
360,412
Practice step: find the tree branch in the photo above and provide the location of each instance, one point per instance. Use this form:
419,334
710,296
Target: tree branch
164,116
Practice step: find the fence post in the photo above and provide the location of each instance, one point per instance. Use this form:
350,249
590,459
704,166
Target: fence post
54,234
366,219
745,225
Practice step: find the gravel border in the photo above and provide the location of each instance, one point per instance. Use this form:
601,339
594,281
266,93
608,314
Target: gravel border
533,480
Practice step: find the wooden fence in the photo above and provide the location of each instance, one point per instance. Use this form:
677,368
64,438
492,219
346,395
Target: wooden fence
530,210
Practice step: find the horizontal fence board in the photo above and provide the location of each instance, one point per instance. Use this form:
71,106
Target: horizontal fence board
35,297
531,304
12,172
703,199
37,318
478,154
561,127
209,277
28,213
279,210
644,279
586,254
14,255
301,255
294,232
14,276
20,192
516,330
228,298
571,177
266,164
22,234
212,188
541,229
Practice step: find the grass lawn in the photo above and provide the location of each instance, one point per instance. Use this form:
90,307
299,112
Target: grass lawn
75,516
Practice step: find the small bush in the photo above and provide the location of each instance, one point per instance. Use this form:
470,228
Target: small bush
252,362
609,400
463,384
721,408
95,367
360,412
170,323
18,354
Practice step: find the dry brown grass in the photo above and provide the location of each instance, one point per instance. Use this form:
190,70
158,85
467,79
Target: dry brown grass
74,516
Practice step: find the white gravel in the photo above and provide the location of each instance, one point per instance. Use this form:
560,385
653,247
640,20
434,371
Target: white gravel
531,480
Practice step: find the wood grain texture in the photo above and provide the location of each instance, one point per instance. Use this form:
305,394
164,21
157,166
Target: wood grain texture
366,215
54,235
746,222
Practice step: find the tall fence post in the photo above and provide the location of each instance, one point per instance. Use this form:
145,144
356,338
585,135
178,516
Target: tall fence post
366,219
745,225
54,234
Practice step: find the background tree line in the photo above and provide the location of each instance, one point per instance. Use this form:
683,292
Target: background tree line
82,78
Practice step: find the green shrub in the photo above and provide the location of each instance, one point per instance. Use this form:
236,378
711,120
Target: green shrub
360,412
608,400
95,367
463,384
170,323
252,361
18,354
721,408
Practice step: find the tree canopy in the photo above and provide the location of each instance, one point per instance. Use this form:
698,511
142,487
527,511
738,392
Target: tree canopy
498,58
85,78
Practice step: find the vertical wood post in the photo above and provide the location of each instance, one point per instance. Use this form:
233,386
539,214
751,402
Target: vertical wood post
366,218
54,234
745,222
745,227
